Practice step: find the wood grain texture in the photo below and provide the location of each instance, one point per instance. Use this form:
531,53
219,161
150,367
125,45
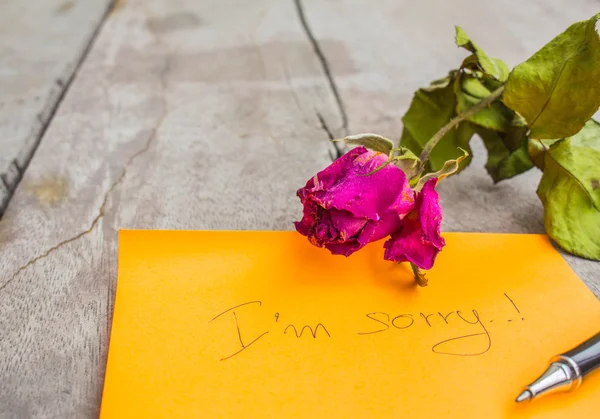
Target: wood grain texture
397,47
41,45
209,115
186,115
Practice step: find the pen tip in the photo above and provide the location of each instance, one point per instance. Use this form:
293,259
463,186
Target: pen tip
526,395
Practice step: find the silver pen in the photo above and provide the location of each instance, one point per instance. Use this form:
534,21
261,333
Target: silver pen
566,371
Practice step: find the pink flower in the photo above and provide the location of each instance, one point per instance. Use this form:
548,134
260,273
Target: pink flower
346,207
418,240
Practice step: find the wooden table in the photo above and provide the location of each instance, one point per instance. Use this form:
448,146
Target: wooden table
204,115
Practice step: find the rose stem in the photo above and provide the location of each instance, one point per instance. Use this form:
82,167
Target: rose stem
419,275
424,156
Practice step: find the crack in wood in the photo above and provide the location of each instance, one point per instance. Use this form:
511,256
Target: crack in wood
53,107
10,179
101,211
339,152
328,74
4,181
324,126
18,168
95,220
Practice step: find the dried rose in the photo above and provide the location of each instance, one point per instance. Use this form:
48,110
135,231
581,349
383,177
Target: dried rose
418,240
349,204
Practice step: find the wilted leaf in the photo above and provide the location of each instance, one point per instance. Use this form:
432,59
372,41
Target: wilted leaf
451,166
469,91
403,153
441,83
405,160
570,192
491,66
429,111
507,152
558,89
371,141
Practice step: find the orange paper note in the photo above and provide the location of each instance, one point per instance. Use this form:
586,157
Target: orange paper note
263,324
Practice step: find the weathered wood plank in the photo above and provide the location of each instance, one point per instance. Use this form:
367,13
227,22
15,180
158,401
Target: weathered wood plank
199,115
41,45
397,47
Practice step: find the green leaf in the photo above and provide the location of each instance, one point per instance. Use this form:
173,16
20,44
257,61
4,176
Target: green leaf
469,91
472,86
491,66
429,111
451,166
570,192
558,89
537,150
371,141
507,152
